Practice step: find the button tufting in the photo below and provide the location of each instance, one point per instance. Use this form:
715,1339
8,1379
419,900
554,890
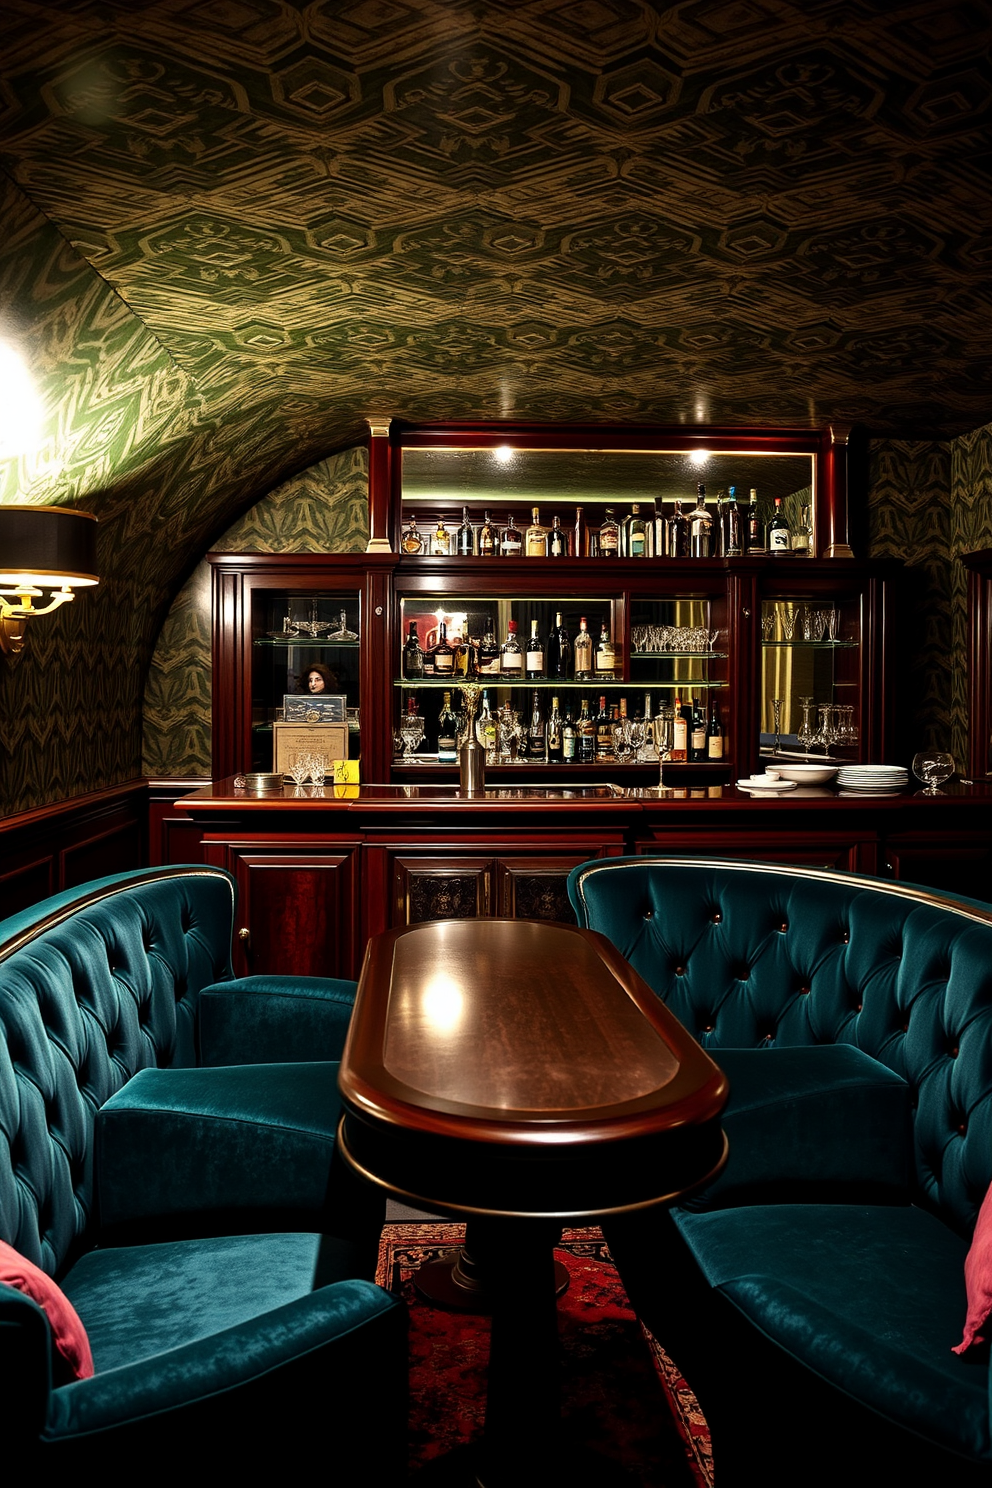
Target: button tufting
649,914
783,927
953,1052
858,1006
717,917
680,971
962,1128
845,938
804,991
708,1027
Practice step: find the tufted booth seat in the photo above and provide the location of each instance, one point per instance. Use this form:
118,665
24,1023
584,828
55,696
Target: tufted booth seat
813,1293
167,1156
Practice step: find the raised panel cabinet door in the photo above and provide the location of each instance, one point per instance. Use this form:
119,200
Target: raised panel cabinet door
808,850
299,911
534,888
452,887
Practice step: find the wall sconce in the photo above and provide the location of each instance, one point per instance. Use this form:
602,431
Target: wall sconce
41,547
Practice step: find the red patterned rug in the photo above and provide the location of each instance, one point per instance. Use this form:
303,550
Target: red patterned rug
625,1407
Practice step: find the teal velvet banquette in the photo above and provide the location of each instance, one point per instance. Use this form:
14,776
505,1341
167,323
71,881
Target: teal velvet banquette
167,1156
813,1293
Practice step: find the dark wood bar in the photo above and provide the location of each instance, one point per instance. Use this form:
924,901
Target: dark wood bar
319,873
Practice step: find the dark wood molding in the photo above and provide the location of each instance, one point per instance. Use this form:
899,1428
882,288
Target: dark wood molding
979,566
67,843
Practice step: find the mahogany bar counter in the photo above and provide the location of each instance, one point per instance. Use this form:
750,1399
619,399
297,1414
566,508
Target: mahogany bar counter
320,872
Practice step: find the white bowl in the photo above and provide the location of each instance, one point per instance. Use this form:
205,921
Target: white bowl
807,774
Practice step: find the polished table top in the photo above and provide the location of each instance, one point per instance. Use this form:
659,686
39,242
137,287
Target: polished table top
521,1067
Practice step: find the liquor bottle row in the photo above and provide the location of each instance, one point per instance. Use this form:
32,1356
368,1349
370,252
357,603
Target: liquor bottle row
552,736
557,656
726,528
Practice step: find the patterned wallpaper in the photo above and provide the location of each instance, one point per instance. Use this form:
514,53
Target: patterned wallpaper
324,510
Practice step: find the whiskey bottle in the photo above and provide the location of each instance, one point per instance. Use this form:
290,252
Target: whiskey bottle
489,652
447,734
755,526
465,537
488,539
779,532
412,540
511,658
536,538
604,732
609,536
534,655
558,652
714,734
510,541
697,743
557,539
413,657
605,656
537,744
441,547
583,653
700,526
443,655
485,729
678,533
555,735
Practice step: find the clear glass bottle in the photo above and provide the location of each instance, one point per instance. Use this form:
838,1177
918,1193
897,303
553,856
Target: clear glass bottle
447,734
605,659
735,527
583,652
536,536
609,536
511,658
678,533
489,651
487,542
558,651
534,655
557,539
569,741
660,544
555,734
537,742
465,537
412,539
441,547
580,538
486,730
718,535
443,654
636,533
510,539
413,656
779,536
700,526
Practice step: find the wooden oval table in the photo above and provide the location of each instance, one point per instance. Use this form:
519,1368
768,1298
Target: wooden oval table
521,1075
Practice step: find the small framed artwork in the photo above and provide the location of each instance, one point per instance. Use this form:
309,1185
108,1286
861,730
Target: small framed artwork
291,739
306,707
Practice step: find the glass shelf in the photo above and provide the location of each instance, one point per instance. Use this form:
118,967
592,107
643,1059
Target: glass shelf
321,642
813,645
449,684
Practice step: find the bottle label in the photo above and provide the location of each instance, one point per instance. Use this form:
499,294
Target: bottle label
608,541
535,661
489,666
699,740
715,747
568,746
510,545
444,664
605,661
511,662
778,540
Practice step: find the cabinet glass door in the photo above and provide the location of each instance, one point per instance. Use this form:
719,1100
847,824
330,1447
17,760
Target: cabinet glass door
305,674
810,677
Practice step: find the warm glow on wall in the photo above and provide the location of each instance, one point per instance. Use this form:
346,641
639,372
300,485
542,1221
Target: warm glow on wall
20,406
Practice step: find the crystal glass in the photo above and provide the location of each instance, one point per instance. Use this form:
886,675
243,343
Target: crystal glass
411,732
318,768
343,633
299,769
932,766
805,734
663,724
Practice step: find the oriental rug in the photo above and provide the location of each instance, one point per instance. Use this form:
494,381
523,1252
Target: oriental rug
625,1407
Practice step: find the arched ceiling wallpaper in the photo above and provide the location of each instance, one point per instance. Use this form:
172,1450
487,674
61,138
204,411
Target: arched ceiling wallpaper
235,229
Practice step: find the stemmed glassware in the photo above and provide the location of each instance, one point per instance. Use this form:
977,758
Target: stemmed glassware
805,734
343,633
663,725
411,730
933,766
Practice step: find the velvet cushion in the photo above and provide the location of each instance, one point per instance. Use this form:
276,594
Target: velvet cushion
826,1123
978,1278
141,1300
190,1140
68,1334
261,1019
866,1297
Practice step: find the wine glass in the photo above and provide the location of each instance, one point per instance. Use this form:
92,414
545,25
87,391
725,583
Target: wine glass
663,724
299,768
933,766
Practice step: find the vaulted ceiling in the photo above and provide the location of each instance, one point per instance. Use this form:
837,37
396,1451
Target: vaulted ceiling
720,211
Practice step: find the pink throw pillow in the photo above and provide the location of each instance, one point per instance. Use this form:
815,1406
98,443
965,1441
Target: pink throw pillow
68,1333
978,1277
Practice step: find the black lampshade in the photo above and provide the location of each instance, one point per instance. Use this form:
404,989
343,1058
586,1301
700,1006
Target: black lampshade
44,547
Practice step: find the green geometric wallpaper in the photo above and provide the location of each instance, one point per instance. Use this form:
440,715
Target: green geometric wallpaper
324,510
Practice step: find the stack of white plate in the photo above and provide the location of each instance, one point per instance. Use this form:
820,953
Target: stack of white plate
871,780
